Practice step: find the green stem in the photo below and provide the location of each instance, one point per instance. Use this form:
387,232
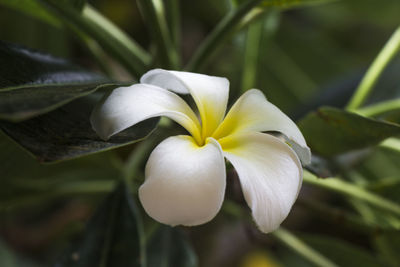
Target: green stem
221,32
117,43
391,48
379,240
253,40
154,14
298,246
379,108
353,191
383,183
256,31
282,235
174,20
392,144
338,216
99,55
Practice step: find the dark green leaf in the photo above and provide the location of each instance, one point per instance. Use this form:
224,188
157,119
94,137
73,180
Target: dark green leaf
32,8
113,236
321,167
36,183
66,132
285,4
342,253
77,4
114,41
169,248
330,131
33,83
388,243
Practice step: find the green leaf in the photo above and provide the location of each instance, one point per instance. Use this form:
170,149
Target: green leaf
169,248
374,72
388,243
330,131
33,83
153,12
239,17
32,8
77,4
36,184
321,167
67,133
297,245
342,253
113,236
111,38
286,4
230,23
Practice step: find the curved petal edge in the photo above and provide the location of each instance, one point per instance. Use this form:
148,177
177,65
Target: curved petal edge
252,112
210,93
126,106
270,174
185,183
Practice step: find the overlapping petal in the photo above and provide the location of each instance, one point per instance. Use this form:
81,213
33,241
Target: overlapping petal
210,93
185,176
184,183
253,112
270,174
126,106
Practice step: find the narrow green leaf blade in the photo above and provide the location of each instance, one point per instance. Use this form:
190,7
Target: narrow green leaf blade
302,249
113,236
287,4
388,243
330,131
36,184
33,83
67,133
77,4
342,253
33,9
169,248
114,41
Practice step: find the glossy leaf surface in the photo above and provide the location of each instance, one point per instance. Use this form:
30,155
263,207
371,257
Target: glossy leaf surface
66,132
33,83
330,131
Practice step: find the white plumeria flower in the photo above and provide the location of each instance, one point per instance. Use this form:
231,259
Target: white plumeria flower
185,175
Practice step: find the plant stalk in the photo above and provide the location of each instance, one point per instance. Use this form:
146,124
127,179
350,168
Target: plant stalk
389,51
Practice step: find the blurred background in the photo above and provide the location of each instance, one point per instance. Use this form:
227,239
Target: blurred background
308,57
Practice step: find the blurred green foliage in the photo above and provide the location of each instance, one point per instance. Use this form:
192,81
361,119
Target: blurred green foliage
310,55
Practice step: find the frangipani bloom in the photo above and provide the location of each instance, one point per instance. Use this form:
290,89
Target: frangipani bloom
185,175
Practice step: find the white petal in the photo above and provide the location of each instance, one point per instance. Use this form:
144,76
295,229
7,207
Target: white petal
210,93
184,183
270,175
126,106
253,112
